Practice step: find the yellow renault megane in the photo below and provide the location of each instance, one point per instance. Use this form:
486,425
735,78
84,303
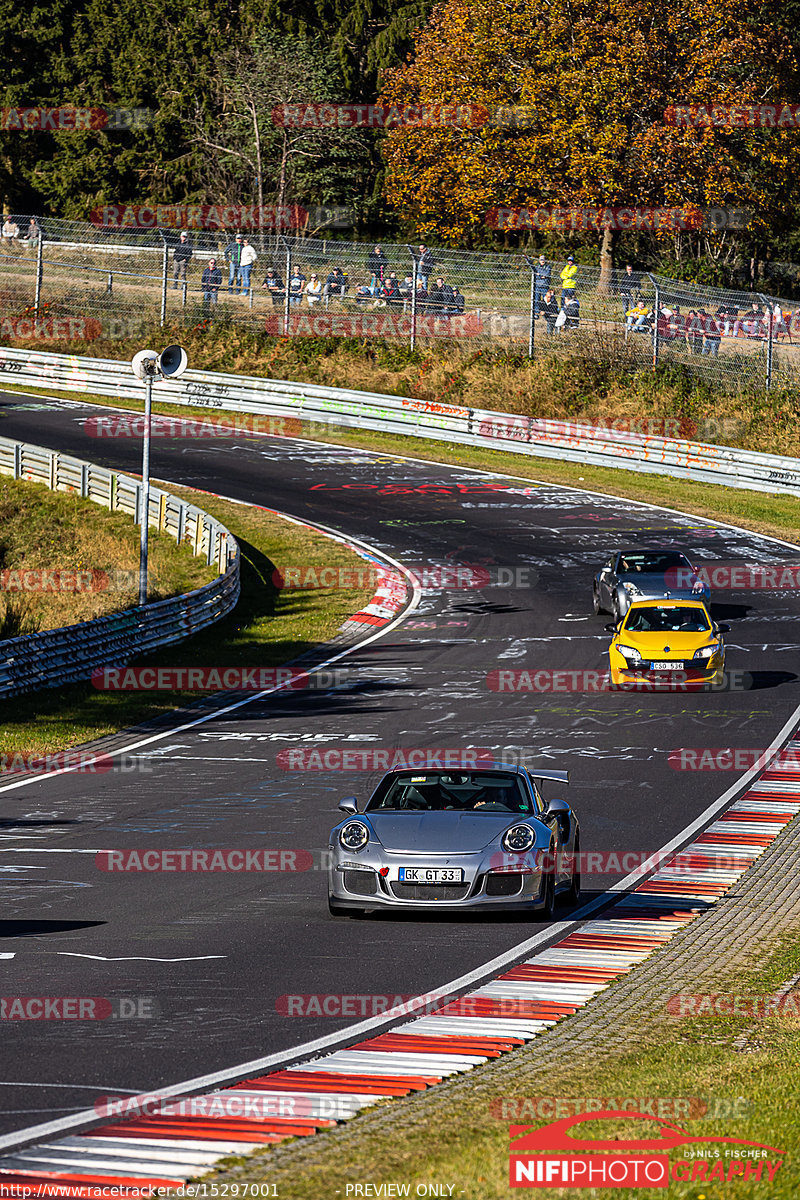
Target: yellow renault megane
667,641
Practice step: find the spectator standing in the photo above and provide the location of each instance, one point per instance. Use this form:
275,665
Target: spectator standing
180,260
10,230
274,285
313,291
33,232
233,257
425,264
694,331
568,278
630,288
712,335
458,302
249,258
377,265
542,274
779,327
550,310
211,282
297,283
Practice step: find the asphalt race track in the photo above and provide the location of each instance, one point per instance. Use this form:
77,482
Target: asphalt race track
211,955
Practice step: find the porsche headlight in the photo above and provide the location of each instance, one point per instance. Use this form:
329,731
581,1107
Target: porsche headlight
632,589
354,835
707,651
518,839
630,654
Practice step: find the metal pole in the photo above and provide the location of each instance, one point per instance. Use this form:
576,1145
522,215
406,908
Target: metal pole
656,342
164,272
765,300
145,492
39,271
184,288
414,265
414,305
286,288
532,326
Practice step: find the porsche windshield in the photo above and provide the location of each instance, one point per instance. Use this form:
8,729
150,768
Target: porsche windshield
656,563
438,791
672,619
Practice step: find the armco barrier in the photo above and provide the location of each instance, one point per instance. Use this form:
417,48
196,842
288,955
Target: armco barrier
697,461
59,656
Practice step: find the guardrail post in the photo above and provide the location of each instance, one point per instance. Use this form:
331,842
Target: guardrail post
37,299
770,326
656,311
17,461
110,284
184,292
164,273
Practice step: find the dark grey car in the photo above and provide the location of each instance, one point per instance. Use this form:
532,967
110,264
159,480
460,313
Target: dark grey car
646,575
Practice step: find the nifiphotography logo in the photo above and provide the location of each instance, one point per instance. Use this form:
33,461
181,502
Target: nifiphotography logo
549,1156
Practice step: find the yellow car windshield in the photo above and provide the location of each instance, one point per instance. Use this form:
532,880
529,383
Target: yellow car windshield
671,619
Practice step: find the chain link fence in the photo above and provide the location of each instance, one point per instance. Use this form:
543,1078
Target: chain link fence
70,280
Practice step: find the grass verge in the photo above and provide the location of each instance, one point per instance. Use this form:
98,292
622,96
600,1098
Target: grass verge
268,628
65,559
458,1134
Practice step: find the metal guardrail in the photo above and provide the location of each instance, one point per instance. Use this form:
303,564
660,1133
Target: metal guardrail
59,656
696,461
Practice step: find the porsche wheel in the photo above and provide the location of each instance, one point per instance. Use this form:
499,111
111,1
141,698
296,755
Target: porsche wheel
573,894
548,909
597,607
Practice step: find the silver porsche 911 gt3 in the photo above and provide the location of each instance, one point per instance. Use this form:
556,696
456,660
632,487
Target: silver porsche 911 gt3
474,839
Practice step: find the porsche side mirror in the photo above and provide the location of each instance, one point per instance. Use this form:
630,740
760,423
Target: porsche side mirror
557,806
349,805
610,628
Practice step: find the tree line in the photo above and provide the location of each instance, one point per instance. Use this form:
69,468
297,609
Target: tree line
594,79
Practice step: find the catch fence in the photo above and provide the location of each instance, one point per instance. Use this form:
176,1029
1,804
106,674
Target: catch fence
76,282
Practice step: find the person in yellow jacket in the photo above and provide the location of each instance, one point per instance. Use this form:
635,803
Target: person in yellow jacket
568,279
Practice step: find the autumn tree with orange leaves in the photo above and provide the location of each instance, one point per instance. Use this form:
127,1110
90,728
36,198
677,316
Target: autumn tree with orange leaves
599,76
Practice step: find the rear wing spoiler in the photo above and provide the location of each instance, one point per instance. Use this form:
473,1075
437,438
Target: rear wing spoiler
559,776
